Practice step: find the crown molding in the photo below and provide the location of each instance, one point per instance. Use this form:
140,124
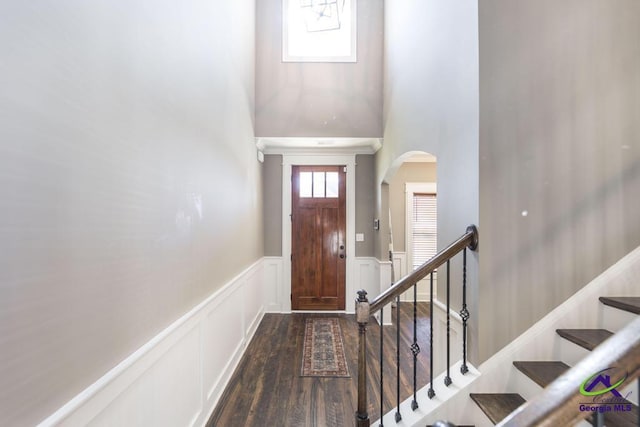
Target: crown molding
323,146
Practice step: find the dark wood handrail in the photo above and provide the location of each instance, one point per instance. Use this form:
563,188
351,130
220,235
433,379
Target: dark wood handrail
468,239
559,403
364,310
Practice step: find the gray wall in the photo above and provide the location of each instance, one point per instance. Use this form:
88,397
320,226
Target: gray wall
431,104
319,99
129,181
408,172
559,140
365,197
273,205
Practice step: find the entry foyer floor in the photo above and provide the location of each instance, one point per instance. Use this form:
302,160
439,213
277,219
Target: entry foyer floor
266,388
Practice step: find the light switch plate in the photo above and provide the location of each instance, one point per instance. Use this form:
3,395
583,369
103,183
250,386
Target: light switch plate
359,237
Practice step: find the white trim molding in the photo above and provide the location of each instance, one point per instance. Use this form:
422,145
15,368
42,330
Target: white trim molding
318,146
178,376
288,161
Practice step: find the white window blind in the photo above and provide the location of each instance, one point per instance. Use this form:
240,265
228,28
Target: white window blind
425,228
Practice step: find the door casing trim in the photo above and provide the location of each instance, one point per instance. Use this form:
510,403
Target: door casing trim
317,159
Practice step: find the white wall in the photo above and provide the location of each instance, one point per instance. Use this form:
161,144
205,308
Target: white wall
431,105
130,189
559,153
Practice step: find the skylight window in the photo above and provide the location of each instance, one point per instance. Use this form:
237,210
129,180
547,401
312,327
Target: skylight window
319,30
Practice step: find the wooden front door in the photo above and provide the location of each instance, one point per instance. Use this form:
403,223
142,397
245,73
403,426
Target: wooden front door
318,239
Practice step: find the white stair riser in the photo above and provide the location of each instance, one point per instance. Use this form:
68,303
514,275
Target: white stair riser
567,351
525,386
614,319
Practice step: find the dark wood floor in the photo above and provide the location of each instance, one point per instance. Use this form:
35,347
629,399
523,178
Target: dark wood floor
266,389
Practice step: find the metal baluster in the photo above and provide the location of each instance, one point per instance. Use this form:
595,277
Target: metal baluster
431,393
381,366
415,348
398,416
447,379
598,419
464,313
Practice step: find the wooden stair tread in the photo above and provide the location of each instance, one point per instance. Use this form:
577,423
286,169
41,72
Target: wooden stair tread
542,372
497,406
587,338
631,304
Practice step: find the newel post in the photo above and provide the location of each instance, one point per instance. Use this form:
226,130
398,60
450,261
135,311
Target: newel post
362,317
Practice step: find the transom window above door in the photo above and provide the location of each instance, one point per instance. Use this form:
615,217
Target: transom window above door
319,185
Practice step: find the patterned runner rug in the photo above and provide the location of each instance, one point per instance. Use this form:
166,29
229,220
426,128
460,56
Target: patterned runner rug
323,351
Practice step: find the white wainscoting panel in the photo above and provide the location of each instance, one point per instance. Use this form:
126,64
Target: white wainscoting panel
273,285
440,336
177,378
399,265
365,277
223,324
384,276
372,275
399,271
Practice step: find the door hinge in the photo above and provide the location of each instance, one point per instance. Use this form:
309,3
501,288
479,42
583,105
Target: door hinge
344,169
291,258
290,297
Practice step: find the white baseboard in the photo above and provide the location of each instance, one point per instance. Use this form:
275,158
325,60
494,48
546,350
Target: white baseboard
177,377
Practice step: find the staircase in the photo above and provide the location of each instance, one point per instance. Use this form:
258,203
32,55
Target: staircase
497,406
559,345
590,343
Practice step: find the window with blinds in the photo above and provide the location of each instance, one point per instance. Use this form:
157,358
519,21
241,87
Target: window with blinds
425,228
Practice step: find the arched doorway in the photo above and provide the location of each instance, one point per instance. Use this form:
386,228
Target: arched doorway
409,214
